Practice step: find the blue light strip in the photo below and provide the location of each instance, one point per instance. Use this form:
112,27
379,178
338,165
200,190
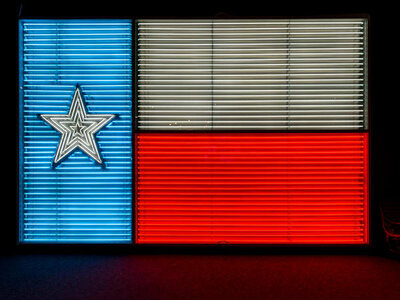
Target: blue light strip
79,201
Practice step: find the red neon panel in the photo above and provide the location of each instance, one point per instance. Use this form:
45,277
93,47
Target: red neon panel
252,188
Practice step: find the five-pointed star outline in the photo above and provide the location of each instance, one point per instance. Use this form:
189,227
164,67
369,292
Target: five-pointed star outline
77,129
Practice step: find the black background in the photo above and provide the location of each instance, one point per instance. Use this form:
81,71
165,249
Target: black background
383,88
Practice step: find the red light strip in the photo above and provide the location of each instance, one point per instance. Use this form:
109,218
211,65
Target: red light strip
253,188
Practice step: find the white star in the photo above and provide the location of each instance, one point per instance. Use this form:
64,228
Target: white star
77,129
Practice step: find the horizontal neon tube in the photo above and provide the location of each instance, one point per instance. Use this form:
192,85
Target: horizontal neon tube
240,40
293,25
145,23
332,127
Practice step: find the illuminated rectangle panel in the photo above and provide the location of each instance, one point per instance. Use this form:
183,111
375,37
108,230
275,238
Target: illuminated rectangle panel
78,201
302,74
252,188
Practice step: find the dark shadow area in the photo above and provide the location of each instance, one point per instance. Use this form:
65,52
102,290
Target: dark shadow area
199,277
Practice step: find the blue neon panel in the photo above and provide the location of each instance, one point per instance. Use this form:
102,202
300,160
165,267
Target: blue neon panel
78,201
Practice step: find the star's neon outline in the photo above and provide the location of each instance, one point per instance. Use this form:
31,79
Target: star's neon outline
77,116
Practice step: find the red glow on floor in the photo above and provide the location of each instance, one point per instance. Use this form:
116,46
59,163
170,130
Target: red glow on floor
252,188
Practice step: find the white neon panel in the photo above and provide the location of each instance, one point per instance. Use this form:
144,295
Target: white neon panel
252,74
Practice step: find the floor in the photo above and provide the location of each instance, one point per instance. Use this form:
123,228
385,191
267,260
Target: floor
199,277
